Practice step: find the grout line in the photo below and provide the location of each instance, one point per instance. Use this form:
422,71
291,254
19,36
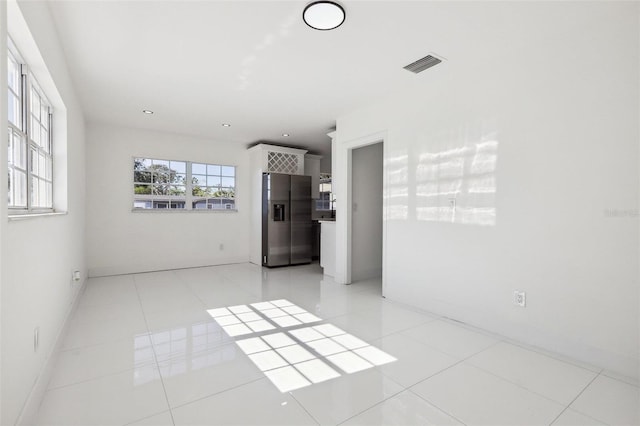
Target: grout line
574,399
166,270
374,405
432,402
434,405
303,407
148,417
155,355
219,392
102,376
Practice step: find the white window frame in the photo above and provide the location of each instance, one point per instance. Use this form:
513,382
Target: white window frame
188,198
24,133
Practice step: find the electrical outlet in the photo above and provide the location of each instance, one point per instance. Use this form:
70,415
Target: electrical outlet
76,275
36,338
520,298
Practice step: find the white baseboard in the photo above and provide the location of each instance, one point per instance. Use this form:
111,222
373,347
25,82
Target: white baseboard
30,409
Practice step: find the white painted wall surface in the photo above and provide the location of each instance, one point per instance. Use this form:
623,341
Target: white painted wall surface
123,241
3,179
366,181
541,147
37,290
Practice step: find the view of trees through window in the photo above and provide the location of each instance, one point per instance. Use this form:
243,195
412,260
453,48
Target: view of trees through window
168,184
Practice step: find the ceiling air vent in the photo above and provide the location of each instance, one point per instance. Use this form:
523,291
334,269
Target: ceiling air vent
422,64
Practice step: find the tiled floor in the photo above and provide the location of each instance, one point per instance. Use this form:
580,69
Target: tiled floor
142,349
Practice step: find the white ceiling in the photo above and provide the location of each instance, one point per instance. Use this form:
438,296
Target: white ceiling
256,65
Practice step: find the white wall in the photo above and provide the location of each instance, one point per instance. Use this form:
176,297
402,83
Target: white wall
37,290
540,143
122,241
3,178
366,180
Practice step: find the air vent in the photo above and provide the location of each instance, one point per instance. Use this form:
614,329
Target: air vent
422,64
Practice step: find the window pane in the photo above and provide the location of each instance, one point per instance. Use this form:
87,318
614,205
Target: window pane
198,180
142,177
160,189
49,194
13,74
213,169
44,116
33,160
177,204
44,139
35,104
179,166
141,163
35,133
161,164
20,151
34,192
17,188
214,203
228,171
179,178
227,181
49,172
198,169
14,111
43,192
142,189
213,180
177,190
42,165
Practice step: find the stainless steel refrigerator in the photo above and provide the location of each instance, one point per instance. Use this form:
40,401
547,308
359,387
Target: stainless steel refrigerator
286,219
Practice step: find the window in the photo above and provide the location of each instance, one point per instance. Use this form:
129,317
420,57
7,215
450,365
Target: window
325,202
168,184
30,160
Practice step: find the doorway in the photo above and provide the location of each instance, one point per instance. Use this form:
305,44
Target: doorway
366,212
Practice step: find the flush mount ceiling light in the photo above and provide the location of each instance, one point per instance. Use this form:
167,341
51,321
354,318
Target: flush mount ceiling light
226,125
147,111
323,15
286,135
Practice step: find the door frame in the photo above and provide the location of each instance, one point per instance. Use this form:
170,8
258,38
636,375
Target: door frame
342,180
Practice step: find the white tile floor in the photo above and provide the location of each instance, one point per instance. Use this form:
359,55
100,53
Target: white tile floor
142,349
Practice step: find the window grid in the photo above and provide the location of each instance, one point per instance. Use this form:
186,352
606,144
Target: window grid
41,160
212,186
29,140
168,184
14,76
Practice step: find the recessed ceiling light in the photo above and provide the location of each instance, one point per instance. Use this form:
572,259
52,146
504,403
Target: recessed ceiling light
147,111
323,15
226,125
286,135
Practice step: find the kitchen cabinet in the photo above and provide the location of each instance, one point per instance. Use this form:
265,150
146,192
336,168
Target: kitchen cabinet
328,247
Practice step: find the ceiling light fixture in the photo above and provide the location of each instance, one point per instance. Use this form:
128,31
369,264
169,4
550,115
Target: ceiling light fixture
323,15
286,135
226,125
147,111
